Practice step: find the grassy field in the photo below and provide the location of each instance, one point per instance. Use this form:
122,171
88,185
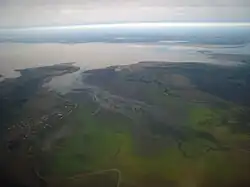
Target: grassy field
183,135
187,136
106,141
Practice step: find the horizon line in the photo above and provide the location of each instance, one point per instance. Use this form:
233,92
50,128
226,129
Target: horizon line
133,25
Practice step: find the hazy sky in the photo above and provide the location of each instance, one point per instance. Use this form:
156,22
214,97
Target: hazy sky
20,13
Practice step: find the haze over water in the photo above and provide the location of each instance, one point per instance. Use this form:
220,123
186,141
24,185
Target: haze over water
99,55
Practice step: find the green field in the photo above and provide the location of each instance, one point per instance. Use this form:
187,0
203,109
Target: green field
165,127
107,141
188,132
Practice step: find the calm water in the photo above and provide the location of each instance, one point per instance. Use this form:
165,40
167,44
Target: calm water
97,55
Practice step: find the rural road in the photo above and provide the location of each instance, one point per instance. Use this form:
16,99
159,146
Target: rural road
100,172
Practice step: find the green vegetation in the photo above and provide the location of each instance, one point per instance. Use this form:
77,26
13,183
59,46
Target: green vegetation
148,127
106,141
93,144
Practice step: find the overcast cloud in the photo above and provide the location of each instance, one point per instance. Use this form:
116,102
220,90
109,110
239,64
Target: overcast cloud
29,13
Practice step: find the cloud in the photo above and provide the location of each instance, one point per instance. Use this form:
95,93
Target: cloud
138,2
28,13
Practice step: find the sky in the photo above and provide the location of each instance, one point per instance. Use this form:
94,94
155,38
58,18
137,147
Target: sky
37,13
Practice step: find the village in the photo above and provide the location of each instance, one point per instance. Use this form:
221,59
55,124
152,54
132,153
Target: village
28,128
